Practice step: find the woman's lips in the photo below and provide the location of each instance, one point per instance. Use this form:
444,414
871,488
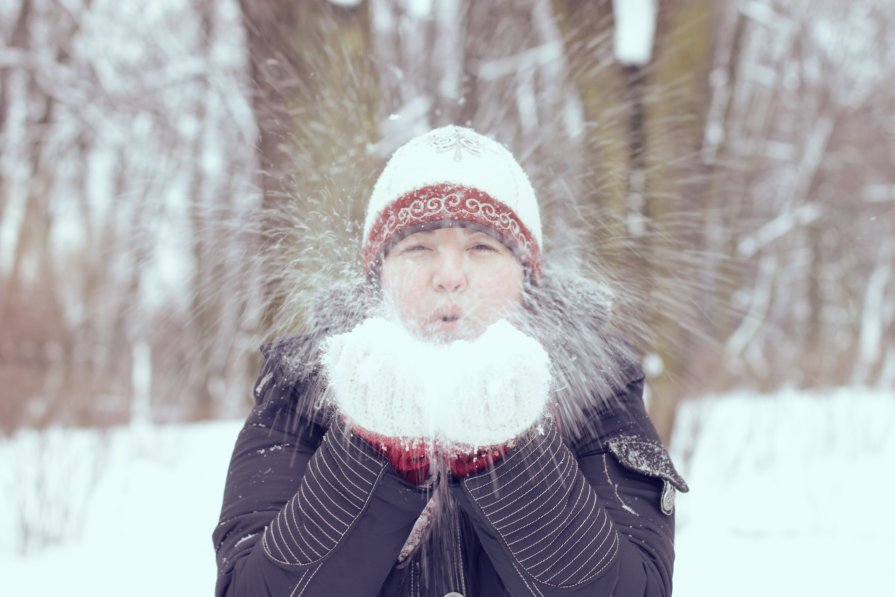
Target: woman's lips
446,314
445,322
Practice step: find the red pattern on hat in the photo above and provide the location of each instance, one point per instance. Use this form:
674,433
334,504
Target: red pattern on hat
447,201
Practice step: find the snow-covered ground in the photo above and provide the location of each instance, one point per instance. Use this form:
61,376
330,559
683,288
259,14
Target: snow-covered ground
789,496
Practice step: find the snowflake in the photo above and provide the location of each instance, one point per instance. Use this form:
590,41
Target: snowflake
457,141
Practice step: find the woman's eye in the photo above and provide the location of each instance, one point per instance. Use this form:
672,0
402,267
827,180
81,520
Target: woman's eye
484,247
415,249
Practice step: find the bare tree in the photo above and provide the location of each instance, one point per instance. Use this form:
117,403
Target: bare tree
800,141
99,120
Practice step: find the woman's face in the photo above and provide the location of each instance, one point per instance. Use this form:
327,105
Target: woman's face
452,283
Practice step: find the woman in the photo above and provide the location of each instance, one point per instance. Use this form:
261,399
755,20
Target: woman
459,423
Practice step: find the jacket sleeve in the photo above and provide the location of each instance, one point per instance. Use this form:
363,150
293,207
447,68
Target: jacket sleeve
558,522
304,504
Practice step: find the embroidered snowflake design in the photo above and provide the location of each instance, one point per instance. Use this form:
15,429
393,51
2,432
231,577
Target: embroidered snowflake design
456,141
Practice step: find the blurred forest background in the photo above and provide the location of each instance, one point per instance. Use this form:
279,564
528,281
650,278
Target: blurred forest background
176,176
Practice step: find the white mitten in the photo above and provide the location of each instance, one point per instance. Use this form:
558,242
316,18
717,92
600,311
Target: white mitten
371,378
467,394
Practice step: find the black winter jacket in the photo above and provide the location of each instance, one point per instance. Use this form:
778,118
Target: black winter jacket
310,509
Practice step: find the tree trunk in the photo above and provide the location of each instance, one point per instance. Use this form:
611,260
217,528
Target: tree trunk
642,140
315,101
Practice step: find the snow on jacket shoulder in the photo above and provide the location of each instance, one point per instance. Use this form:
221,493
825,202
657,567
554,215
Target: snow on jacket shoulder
310,509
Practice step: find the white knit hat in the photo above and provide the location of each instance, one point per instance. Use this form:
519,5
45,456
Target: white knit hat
453,174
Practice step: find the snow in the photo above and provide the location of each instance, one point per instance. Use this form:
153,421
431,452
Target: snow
140,512
141,381
420,9
873,315
788,497
635,28
787,494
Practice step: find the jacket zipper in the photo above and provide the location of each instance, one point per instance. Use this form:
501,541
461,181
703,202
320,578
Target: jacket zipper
459,568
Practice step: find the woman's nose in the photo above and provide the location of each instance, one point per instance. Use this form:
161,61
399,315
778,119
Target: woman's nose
450,273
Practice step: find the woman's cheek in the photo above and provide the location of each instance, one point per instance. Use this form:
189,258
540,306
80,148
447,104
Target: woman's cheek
408,294
498,304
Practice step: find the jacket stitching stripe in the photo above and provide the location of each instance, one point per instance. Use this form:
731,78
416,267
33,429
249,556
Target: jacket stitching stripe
310,517
531,587
552,523
346,473
561,548
297,541
318,520
544,463
345,492
602,563
295,590
583,524
295,521
325,501
564,466
338,488
497,476
555,528
604,533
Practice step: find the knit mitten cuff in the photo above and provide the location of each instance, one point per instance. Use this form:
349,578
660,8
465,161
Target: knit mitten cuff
463,464
409,458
